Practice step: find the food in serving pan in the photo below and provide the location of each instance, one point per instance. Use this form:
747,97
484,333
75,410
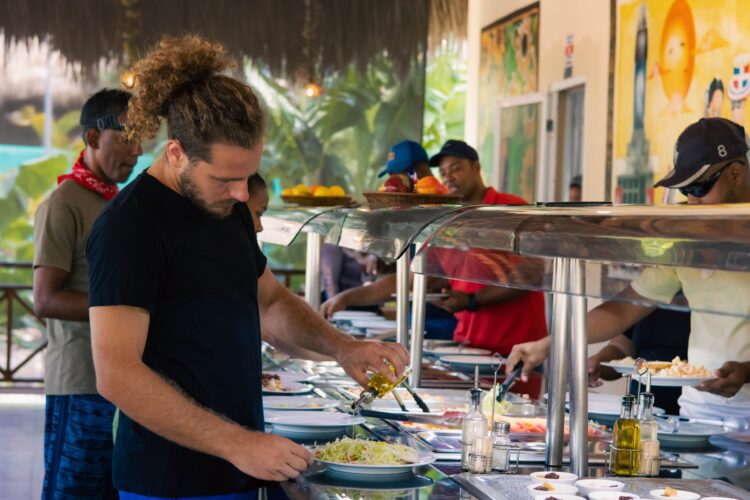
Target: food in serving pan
361,451
675,368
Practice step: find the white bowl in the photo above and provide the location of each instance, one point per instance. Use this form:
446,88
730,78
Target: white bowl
719,498
564,477
586,486
612,495
681,495
562,488
558,496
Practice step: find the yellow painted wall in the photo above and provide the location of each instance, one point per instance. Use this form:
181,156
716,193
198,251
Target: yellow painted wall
588,22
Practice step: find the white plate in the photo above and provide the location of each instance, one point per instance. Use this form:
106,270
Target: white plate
297,403
293,389
690,434
676,381
291,376
458,351
565,477
606,405
374,323
612,495
354,314
376,472
561,488
681,495
587,486
467,363
558,496
624,369
312,424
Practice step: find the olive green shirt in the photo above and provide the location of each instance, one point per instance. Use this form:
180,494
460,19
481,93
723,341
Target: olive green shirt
61,226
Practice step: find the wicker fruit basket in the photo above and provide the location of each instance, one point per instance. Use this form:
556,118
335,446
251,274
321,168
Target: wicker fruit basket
378,199
317,201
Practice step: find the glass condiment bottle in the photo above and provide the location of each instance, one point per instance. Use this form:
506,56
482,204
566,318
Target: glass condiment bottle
474,426
626,440
649,459
501,447
379,386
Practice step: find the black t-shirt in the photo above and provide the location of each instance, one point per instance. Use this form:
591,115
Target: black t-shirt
661,336
197,276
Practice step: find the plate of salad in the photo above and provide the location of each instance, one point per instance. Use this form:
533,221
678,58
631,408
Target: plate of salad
375,459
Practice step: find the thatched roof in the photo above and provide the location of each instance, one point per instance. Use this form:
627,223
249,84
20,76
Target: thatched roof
284,34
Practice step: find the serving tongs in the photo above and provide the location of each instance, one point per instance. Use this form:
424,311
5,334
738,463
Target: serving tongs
416,418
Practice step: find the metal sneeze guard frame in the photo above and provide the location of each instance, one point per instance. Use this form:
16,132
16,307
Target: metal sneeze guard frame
566,242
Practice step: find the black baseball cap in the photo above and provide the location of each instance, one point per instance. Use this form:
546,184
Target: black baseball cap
456,148
704,143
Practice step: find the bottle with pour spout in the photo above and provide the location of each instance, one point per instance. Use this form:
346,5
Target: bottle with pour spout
474,426
379,386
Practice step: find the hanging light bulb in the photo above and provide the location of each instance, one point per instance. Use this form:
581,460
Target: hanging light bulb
312,90
127,78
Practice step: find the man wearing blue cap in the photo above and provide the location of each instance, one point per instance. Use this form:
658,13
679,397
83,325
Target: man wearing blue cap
407,157
711,161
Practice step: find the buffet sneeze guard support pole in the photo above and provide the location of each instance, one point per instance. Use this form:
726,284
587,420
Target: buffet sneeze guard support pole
402,299
578,370
312,269
558,362
417,320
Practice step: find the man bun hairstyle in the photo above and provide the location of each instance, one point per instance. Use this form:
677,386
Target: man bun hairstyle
181,80
103,106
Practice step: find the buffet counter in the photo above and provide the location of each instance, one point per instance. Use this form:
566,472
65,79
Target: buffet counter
718,469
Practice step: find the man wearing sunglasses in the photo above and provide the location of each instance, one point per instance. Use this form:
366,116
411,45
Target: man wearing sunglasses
711,167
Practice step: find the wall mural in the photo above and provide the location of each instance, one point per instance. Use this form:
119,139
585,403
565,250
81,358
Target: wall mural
677,61
508,67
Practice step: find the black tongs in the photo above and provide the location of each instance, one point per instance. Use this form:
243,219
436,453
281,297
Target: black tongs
508,382
420,402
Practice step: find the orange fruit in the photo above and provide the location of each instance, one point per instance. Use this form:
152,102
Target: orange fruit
336,191
287,192
321,191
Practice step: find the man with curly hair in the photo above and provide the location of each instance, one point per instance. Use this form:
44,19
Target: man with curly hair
180,293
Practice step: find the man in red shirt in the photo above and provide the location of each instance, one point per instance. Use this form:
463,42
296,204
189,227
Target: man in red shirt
490,317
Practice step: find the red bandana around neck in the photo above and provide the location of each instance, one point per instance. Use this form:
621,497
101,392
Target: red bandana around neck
86,178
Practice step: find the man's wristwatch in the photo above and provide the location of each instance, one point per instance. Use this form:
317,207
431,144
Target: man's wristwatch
472,305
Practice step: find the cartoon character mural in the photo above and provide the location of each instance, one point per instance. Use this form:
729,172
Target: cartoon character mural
739,87
672,62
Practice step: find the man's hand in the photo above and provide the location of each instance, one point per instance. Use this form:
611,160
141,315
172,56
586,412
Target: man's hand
360,356
595,371
456,301
269,457
532,354
729,379
330,306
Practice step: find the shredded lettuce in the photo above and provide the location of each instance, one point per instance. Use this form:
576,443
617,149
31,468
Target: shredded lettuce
500,408
361,451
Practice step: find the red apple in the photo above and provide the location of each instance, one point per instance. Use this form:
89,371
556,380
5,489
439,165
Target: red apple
397,183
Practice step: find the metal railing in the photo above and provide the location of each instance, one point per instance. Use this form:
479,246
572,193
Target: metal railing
12,299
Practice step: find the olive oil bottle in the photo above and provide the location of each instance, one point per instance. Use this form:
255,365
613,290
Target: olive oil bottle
626,440
379,386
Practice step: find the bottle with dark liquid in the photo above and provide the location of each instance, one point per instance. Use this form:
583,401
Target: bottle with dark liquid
626,440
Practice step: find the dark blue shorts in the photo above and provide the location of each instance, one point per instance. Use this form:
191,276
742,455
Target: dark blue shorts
78,448
250,495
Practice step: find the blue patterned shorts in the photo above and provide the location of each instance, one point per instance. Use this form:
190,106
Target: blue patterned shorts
78,448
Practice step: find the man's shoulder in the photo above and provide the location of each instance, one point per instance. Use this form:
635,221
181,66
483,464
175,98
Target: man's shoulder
70,193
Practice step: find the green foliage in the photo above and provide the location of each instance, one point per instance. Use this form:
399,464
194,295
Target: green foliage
445,100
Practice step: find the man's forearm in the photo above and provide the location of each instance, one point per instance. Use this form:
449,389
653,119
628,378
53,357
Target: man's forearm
63,304
378,292
162,408
610,319
292,321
